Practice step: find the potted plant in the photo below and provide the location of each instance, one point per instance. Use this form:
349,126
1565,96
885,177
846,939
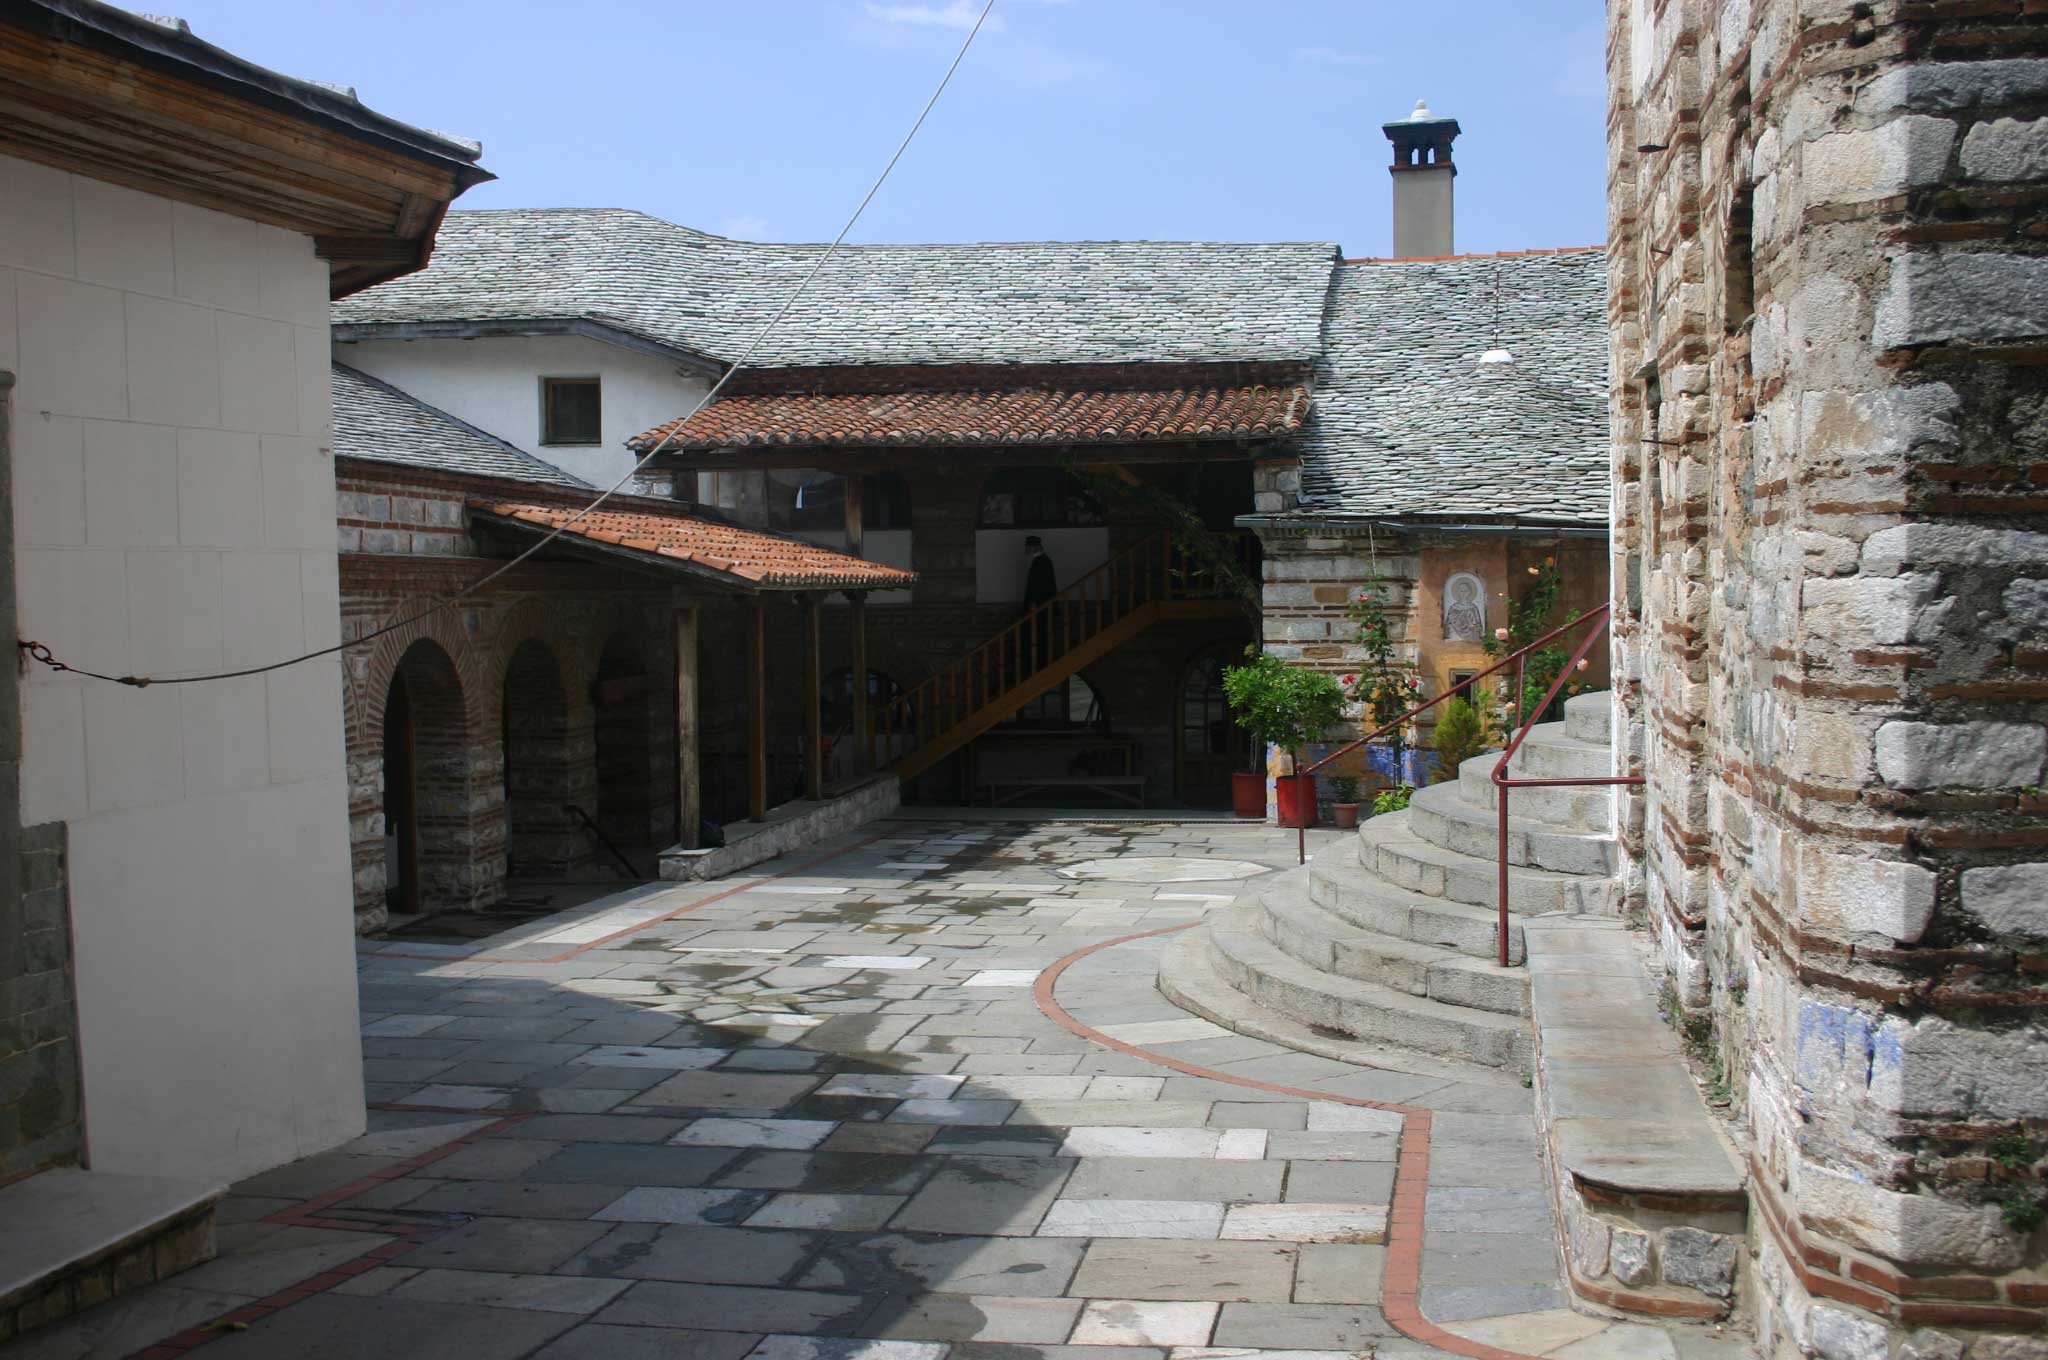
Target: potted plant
1289,707
1344,810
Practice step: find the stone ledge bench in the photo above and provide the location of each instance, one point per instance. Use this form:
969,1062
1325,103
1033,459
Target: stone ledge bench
788,826
1647,1187
71,1238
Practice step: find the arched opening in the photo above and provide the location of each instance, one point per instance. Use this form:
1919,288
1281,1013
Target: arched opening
542,837
1074,703
1210,745
426,785
622,699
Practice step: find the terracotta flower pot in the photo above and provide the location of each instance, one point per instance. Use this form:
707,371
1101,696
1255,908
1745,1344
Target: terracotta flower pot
1297,799
1344,815
1248,795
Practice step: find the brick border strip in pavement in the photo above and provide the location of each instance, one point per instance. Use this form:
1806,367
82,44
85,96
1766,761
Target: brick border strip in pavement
306,1214
1401,1288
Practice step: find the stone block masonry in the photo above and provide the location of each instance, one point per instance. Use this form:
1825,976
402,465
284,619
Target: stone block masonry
1828,316
39,1083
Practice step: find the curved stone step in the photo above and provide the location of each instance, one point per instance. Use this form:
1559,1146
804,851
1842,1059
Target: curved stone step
1188,978
1587,716
1390,847
1341,885
1440,816
1256,967
1547,754
1301,929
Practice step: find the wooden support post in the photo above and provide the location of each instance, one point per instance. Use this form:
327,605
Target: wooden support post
857,646
814,700
689,776
757,712
854,517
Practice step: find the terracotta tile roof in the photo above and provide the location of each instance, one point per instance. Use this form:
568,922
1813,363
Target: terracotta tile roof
993,408
750,556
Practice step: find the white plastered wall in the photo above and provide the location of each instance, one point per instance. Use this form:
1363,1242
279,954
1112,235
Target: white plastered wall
494,384
174,513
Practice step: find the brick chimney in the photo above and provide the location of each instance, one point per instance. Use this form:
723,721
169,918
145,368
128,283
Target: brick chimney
1423,173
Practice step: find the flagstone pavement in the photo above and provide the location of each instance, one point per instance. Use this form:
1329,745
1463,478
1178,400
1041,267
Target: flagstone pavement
842,1109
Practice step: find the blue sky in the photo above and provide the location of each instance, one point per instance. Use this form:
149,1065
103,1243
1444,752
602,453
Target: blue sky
1079,119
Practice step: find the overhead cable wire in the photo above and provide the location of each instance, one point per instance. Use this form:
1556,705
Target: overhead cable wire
40,652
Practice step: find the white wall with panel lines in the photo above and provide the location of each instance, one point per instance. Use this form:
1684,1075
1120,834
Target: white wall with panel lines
174,513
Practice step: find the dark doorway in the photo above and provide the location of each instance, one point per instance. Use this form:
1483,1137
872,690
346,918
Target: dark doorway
1211,745
426,785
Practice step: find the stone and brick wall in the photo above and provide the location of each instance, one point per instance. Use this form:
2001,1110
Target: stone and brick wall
1829,321
574,663
39,1080
1313,571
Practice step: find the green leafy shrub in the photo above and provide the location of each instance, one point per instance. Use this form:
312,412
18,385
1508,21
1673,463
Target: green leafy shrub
1344,788
1392,800
1460,735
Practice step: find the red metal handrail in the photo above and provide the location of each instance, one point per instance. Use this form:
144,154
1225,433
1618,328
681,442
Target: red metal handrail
1499,776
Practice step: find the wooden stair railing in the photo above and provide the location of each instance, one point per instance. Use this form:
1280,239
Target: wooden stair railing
1097,613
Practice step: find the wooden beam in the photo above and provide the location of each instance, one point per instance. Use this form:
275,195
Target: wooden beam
757,710
857,645
689,776
294,143
814,700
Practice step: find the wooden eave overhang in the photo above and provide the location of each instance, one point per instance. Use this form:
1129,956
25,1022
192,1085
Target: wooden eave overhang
100,92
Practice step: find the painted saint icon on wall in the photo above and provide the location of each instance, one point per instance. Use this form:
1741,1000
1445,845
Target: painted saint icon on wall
1464,608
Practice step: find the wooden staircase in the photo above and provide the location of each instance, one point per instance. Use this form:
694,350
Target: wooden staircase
1149,581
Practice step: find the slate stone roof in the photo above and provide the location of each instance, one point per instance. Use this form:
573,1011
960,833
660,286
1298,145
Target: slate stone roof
375,421
1408,423
762,559
1183,403
1033,302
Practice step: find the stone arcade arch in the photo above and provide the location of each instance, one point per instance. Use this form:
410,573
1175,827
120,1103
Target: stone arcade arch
429,849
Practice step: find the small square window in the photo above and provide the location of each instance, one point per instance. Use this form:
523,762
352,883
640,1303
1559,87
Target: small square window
572,411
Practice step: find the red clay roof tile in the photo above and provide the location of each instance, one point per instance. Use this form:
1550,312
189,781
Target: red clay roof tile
1069,411
752,556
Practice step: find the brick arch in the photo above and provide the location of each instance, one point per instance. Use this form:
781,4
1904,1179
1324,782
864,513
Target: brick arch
370,670
464,875
432,790
569,635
